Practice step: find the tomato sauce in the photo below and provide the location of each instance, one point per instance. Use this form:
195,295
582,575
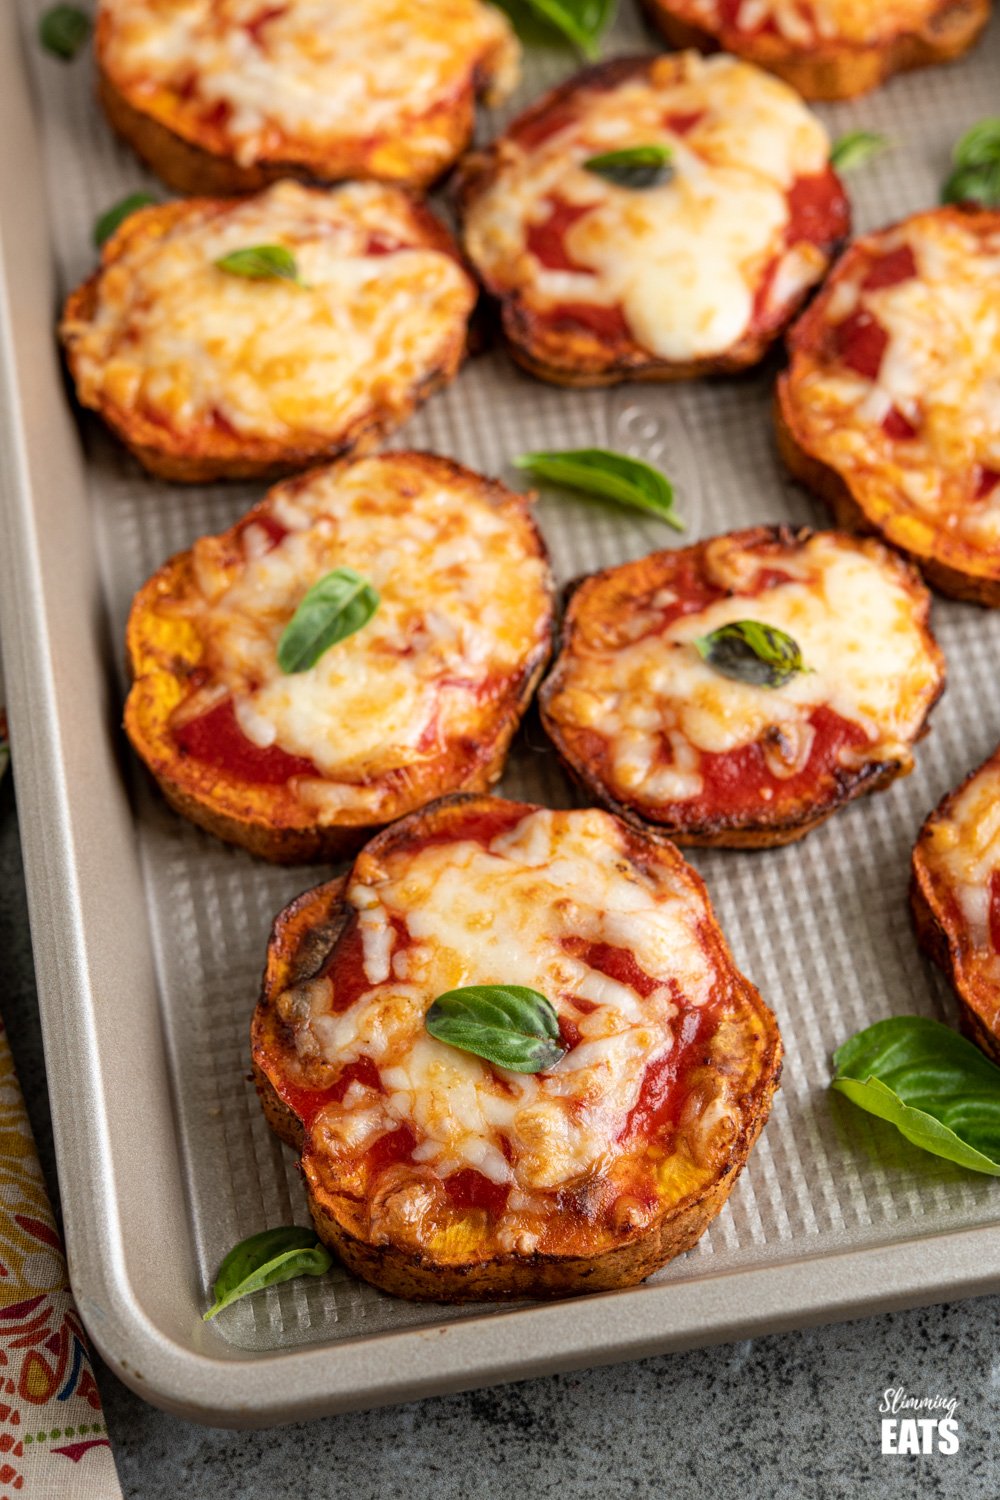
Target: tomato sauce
216,739
734,780
307,1103
382,244
818,210
546,240
389,1149
896,426
889,270
471,1189
861,342
617,963
986,481
265,522
662,1095
683,124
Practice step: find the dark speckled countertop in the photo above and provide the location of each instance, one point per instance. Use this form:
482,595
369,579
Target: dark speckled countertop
794,1417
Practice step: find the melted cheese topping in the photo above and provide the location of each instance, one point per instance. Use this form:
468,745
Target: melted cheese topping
660,705
804,23
305,71
965,847
464,604
503,912
940,371
684,260
173,336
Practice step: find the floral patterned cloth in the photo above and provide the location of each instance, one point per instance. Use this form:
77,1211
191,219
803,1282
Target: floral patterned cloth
53,1441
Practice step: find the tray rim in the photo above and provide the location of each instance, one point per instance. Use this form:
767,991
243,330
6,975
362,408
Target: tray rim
69,788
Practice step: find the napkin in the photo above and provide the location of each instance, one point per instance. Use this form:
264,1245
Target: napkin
53,1441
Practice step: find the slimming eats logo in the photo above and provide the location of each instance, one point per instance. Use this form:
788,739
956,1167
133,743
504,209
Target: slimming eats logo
918,1424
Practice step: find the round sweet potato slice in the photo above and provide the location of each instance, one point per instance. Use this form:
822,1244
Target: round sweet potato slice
955,898
692,271
667,739
207,374
436,1175
221,98
831,49
423,699
888,407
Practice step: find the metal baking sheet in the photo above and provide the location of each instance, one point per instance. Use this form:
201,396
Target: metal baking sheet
149,936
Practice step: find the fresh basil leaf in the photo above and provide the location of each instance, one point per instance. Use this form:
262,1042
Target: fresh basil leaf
583,22
261,263
63,30
266,1259
979,145
507,1024
977,183
976,174
938,1090
856,148
750,651
334,608
115,216
615,476
635,167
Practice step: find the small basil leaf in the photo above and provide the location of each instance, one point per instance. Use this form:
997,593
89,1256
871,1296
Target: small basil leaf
750,651
116,215
938,1090
334,608
63,31
634,166
856,148
583,22
976,183
507,1024
261,263
979,145
266,1259
614,476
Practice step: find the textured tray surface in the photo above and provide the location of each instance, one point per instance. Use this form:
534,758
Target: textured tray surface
821,927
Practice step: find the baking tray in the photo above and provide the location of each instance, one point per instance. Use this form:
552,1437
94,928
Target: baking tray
149,936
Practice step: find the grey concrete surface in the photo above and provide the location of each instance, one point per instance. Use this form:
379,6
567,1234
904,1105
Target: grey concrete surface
787,1418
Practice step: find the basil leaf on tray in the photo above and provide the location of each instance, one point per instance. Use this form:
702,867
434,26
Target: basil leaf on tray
976,174
267,1259
112,217
334,608
506,1024
614,476
856,148
750,651
938,1090
261,263
583,22
63,30
634,166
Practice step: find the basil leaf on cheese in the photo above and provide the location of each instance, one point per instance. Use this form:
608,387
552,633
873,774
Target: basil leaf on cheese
583,22
975,177
62,30
334,608
750,651
507,1024
261,263
614,476
267,1259
938,1090
856,148
110,220
634,166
